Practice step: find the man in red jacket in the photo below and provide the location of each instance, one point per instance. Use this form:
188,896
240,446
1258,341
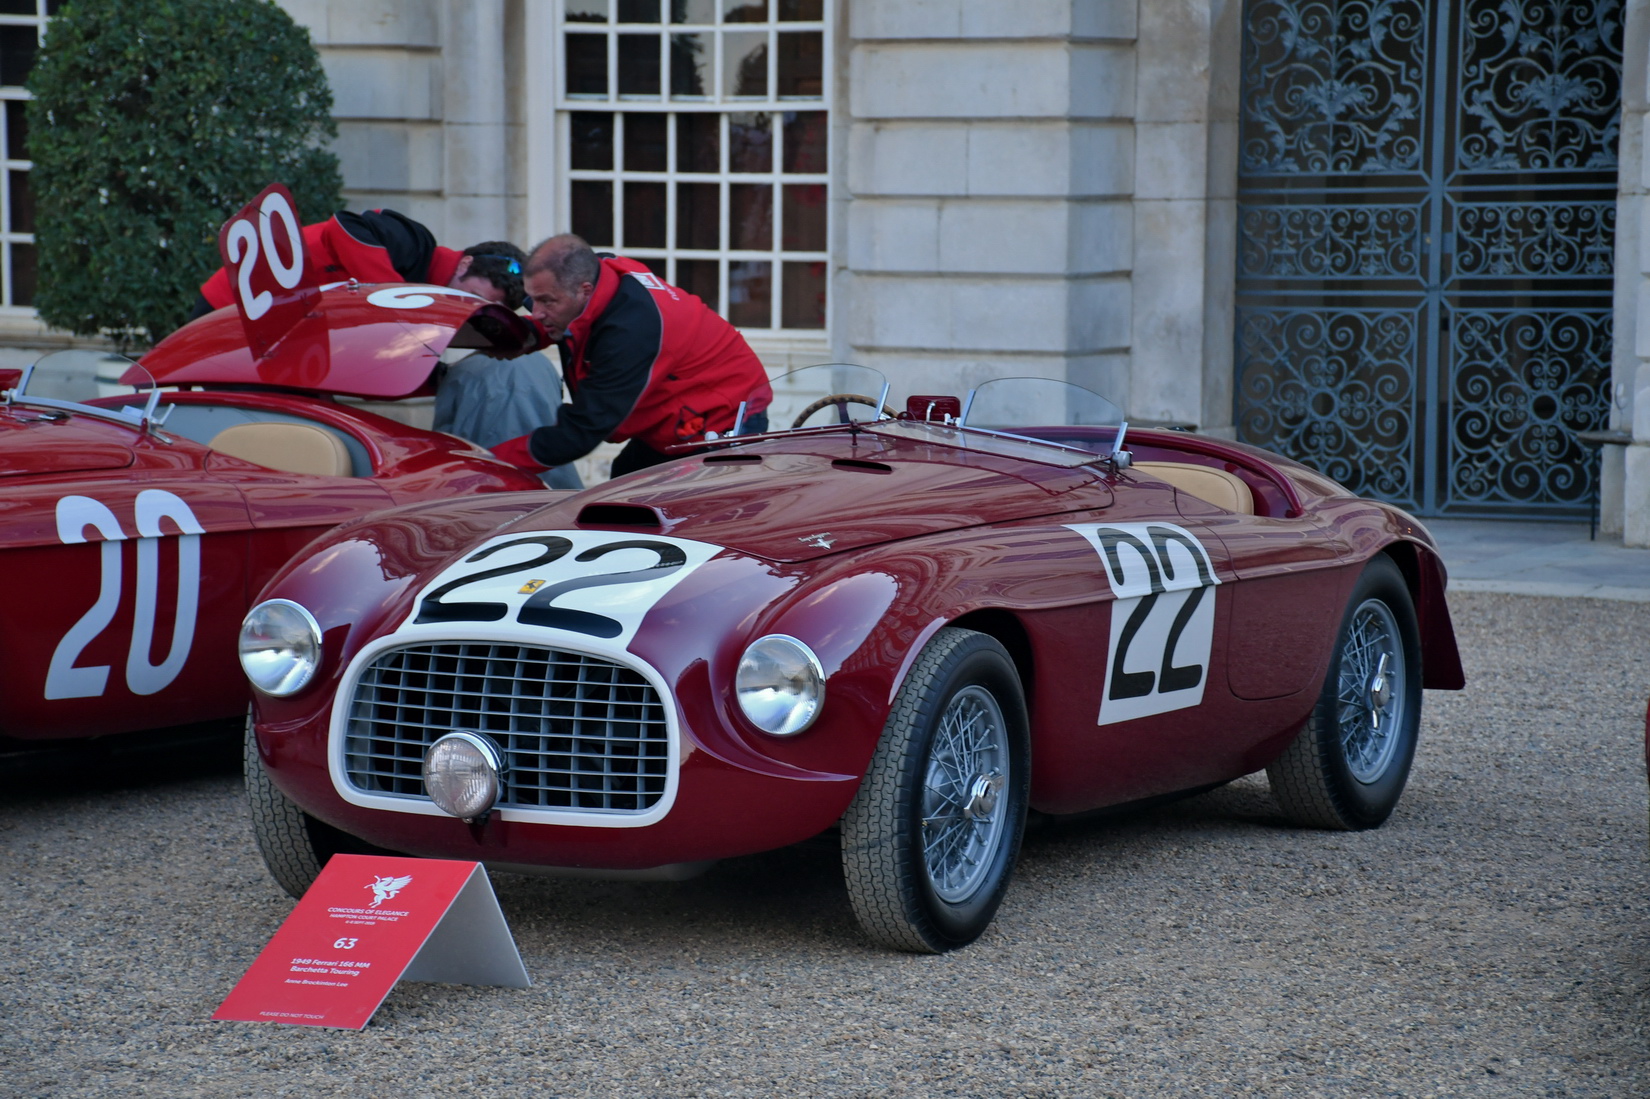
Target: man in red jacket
384,246
644,361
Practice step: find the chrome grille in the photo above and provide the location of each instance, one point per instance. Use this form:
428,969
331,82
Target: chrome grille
576,731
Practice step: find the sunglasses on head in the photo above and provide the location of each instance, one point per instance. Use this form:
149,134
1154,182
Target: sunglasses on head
511,264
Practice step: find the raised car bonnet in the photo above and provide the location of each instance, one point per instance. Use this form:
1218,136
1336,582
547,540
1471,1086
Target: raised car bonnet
785,505
365,341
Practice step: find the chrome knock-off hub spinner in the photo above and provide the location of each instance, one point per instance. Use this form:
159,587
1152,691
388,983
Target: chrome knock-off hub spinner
983,793
1380,691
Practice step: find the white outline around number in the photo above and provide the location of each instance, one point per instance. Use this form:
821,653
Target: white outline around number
74,515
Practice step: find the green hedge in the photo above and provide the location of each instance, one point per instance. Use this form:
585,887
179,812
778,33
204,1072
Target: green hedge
151,123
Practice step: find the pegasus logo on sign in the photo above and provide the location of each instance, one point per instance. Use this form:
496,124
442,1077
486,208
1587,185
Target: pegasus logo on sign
385,889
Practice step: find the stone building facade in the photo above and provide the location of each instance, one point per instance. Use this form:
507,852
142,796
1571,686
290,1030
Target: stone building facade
1044,188
1049,187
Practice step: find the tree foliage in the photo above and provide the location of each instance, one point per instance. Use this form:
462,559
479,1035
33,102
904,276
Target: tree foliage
151,123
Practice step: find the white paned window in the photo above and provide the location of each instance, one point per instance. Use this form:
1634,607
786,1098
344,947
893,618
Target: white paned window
695,138
22,25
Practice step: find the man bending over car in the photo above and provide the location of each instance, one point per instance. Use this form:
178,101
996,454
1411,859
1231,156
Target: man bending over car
384,246
644,362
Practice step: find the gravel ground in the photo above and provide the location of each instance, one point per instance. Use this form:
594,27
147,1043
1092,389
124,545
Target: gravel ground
1492,939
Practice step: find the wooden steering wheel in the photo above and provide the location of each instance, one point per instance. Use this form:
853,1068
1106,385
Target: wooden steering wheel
842,401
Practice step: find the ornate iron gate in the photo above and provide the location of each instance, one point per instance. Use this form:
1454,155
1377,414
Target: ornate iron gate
1426,228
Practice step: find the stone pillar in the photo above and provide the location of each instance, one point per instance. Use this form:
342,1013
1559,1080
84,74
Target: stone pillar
523,55
1625,495
1225,44
474,127
987,176
1185,211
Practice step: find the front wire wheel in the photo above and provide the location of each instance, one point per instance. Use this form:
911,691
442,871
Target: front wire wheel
961,789
1348,767
295,846
281,830
930,841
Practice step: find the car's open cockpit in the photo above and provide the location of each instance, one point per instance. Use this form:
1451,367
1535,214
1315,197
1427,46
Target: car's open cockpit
1032,419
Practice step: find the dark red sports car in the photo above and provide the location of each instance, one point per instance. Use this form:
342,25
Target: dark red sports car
137,529
914,628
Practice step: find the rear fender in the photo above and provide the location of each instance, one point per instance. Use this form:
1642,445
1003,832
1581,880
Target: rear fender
1424,572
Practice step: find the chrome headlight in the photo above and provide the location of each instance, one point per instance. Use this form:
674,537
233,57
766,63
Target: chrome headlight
461,774
280,647
780,684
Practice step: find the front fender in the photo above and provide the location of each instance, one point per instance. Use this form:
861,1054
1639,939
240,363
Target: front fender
357,580
1424,572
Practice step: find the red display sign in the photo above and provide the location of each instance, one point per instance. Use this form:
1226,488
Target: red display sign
369,922
263,248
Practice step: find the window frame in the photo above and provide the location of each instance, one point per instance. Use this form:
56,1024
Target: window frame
10,237
663,260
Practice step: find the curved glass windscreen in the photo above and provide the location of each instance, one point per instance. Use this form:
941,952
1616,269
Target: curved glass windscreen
1014,404
65,381
827,394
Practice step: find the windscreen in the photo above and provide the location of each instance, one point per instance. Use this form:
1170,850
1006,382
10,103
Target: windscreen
830,393
1013,404
65,381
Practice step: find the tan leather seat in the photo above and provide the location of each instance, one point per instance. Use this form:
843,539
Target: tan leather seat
1213,486
291,448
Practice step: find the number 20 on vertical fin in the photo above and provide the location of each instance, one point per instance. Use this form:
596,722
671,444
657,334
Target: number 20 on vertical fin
263,248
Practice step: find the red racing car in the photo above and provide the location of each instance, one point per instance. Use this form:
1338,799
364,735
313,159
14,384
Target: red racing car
138,529
910,628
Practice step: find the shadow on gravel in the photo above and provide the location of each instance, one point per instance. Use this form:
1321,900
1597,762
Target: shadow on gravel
33,770
1243,803
797,894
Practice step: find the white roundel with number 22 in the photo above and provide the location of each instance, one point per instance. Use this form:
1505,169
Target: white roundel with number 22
64,679
1162,617
593,583
247,240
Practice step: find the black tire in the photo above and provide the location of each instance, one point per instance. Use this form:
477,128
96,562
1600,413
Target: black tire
294,845
905,895
1347,768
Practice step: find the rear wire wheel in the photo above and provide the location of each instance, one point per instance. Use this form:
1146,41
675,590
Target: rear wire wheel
930,841
1348,767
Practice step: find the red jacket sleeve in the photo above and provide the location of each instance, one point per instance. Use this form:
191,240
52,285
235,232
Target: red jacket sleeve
217,290
364,261
443,265
519,453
